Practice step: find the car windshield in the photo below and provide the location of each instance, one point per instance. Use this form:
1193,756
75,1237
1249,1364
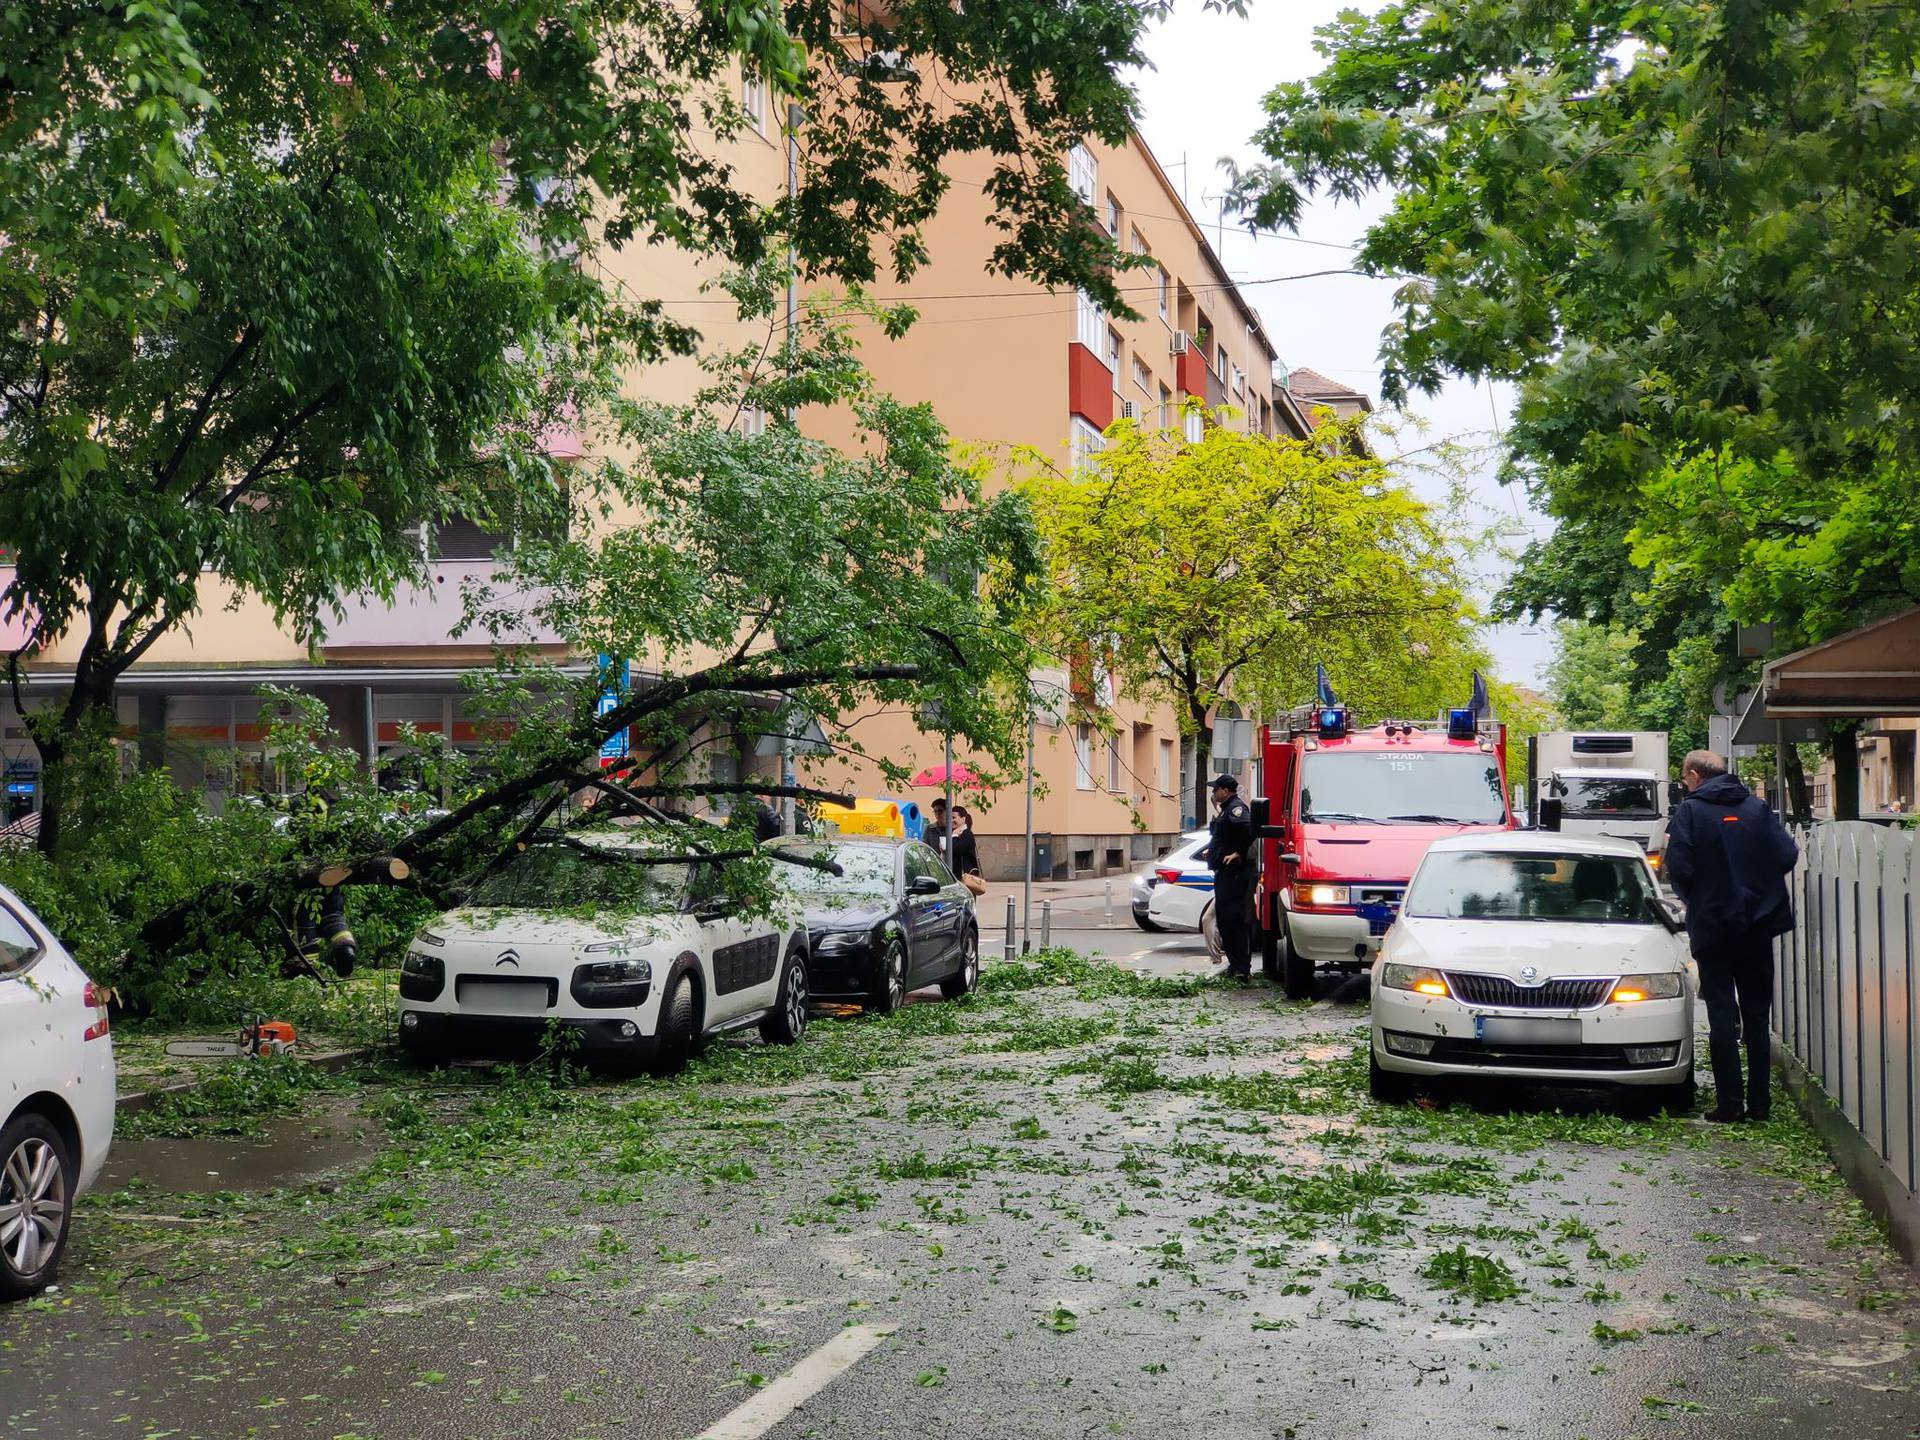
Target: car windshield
1405,787
571,877
1490,885
866,872
1604,795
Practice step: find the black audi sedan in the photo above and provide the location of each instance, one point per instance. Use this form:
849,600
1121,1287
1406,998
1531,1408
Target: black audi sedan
895,919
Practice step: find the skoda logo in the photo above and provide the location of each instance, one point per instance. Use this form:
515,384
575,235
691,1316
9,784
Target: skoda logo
1527,973
507,957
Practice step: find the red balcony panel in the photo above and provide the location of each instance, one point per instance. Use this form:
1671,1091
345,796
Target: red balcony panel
1089,386
1190,370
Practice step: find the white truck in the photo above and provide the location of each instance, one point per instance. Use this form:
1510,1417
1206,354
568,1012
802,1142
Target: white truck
1608,782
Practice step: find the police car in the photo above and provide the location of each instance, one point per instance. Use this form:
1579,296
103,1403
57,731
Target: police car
641,960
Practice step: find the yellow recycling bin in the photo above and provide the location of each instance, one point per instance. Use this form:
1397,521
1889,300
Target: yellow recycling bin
865,817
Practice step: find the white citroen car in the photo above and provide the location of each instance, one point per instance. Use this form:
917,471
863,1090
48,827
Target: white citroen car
643,960
1537,956
56,1096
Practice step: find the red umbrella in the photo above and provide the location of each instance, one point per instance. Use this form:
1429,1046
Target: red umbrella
936,775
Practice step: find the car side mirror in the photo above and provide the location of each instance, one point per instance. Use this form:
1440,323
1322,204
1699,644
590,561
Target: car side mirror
1289,858
1676,792
1550,809
923,885
1672,914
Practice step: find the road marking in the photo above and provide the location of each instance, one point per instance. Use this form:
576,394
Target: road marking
770,1406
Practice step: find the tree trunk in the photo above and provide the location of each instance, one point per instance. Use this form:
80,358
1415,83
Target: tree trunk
1843,745
53,785
1202,754
1798,807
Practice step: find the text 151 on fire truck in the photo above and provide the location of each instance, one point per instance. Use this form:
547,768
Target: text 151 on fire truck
1348,814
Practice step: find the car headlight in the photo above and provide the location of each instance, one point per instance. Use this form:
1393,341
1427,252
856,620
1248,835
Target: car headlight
1630,989
841,942
418,964
607,947
1321,894
618,972
1413,977
427,937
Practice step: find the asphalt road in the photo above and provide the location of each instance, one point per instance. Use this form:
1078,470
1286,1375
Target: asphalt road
1064,1210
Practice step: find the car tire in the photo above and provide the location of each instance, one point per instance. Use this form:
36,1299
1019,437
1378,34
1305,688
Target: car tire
1298,979
674,1040
889,991
36,1205
963,980
789,1019
1151,927
1389,1087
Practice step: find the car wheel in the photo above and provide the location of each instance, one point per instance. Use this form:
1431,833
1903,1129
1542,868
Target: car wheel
1389,1087
673,1042
789,1019
1151,927
36,1203
1299,968
890,986
962,981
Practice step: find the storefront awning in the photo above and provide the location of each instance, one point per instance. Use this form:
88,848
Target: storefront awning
1872,671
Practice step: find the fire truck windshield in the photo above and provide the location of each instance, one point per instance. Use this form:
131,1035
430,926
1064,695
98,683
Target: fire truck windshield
1402,787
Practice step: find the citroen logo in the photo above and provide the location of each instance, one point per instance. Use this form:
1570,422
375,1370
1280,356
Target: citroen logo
1527,972
507,957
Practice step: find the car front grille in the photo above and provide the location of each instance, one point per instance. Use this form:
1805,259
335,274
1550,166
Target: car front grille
1500,992
1535,1057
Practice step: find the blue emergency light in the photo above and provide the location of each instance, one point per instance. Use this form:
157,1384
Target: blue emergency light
1462,724
1332,721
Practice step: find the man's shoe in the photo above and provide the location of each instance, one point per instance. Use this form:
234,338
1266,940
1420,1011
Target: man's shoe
1758,1117
1721,1115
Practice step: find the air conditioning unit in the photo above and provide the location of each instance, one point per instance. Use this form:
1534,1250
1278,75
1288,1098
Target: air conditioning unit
1126,410
1180,344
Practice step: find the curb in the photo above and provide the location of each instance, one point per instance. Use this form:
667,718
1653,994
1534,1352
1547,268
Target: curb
326,1063
1866,1174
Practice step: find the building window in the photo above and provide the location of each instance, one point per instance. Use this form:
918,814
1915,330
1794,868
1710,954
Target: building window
1166,296
753,100
1113,765
1139,242
753,420
1083,443
1196,424
1113,217
1163,772
1083,173
1113,355
1142,377
1220,362
1090,325
1083,756
1166,408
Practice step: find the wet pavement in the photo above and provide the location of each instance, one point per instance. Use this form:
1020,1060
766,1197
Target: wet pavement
1059,1211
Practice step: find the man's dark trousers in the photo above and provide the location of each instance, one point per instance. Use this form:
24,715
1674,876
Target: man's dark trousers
1232,887
1736,982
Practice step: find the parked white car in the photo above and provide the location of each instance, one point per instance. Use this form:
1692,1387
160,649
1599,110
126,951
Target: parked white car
56,1096
1537,956
643,960
1184,890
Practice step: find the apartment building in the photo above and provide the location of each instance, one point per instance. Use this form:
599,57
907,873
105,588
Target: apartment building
1005,364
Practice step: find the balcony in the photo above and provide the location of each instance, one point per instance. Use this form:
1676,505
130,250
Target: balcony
1190,371
1089,386
425,615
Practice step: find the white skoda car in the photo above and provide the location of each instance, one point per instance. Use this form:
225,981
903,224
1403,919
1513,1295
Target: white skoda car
642,960
56,1096
1538,956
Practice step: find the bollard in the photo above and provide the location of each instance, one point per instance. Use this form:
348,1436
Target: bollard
1108,921
1007,949
1046,923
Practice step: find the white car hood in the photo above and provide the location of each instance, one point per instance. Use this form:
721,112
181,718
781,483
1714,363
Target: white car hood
541,929
1502,947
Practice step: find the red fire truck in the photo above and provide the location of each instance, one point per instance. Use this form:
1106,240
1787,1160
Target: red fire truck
1349,812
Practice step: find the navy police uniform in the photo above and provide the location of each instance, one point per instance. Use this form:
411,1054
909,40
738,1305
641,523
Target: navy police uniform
1230,858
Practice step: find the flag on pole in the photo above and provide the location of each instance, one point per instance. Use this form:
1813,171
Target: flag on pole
1482,702
1324,686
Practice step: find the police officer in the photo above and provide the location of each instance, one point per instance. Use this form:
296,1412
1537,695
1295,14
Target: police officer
1230,858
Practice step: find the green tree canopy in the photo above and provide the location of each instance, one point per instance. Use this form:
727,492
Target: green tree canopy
1227,568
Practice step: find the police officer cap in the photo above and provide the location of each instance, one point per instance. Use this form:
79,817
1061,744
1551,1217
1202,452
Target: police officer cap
1224,782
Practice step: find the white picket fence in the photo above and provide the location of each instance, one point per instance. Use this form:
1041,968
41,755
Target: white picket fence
1848,982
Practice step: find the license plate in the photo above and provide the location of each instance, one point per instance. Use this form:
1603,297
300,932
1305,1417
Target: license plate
1526,1030
505,997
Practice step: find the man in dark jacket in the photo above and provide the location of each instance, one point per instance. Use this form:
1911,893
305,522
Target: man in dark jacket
1728,856
1230,856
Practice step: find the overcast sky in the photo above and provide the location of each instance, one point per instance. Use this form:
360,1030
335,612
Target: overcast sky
1202,103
